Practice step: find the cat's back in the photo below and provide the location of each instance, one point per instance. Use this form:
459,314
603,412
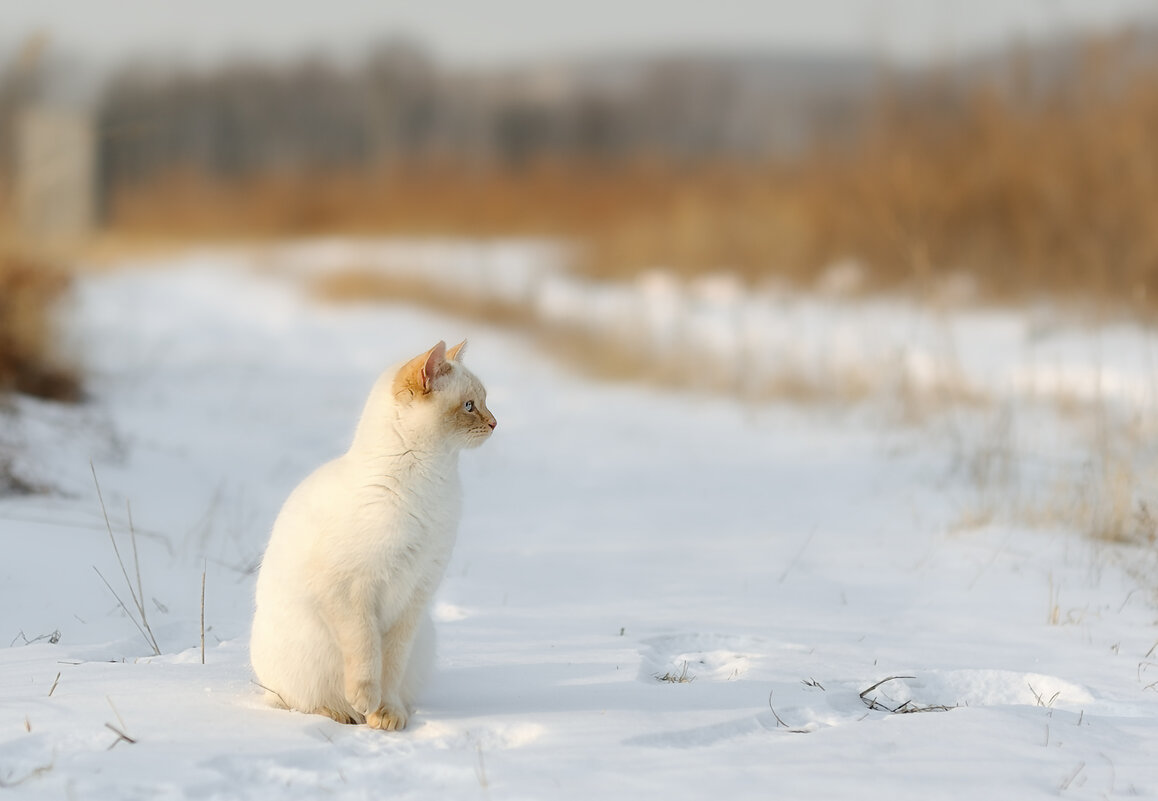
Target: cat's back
313,505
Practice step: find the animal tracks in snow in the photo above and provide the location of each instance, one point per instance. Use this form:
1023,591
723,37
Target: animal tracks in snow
958,688
356,756
754,668
708,657
497,736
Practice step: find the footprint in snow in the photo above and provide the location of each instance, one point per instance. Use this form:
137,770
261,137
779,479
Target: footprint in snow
683,658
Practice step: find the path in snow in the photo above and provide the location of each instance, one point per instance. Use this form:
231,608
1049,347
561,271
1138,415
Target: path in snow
781,559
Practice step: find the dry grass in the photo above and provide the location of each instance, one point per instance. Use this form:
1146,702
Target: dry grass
1050,195
1028,193
1104,490
627,351
566,199
354,285
681,676
612,354
595,353
905,708
137,613
30,360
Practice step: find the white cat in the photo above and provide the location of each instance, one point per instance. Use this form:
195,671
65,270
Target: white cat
361,545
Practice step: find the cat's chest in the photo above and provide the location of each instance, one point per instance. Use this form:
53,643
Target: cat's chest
410,545
415,516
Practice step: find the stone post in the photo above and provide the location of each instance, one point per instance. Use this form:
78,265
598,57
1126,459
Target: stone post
55,168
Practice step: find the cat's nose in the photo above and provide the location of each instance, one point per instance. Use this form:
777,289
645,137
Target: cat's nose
492,423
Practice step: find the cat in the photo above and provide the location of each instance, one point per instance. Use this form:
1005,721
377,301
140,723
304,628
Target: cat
341,626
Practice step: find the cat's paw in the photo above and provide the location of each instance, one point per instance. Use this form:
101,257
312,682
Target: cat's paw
341,716
388,717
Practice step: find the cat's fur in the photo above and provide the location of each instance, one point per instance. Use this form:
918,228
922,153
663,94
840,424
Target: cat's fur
361,545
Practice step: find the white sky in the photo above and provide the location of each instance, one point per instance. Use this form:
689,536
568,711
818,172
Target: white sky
498,31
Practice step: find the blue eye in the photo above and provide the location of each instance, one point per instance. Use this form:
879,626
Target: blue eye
469,406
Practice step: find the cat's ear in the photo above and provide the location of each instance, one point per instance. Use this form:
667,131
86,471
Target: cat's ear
433,366
418,374
455,353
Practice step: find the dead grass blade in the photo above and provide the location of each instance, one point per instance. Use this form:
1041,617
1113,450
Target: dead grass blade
780,721
272,691
140,618
682,677
203,569
120,736
906,708
118,730
1041,700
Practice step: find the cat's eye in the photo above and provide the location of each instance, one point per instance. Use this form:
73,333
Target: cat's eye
469,406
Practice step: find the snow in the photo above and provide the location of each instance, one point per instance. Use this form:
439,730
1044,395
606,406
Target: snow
781,558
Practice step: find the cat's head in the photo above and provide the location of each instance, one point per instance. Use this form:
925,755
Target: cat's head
445,399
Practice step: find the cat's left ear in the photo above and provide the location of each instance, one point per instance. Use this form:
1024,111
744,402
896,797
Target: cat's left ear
433,366
455,353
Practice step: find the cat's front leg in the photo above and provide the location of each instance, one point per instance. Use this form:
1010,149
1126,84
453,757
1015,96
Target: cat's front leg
363,693
397,643
356,630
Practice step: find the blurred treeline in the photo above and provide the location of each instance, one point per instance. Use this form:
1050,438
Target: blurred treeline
1032,169
398,107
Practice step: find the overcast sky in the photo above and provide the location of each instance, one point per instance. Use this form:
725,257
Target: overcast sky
471,32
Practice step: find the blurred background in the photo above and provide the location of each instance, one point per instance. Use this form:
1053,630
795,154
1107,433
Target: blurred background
1010,148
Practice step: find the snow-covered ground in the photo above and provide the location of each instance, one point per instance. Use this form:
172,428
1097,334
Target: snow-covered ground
781,559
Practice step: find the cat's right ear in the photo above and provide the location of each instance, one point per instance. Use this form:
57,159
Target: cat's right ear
455,353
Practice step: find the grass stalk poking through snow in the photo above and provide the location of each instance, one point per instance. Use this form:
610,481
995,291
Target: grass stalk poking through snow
203,569
118,730
140,619
906,708
780,721
682,677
